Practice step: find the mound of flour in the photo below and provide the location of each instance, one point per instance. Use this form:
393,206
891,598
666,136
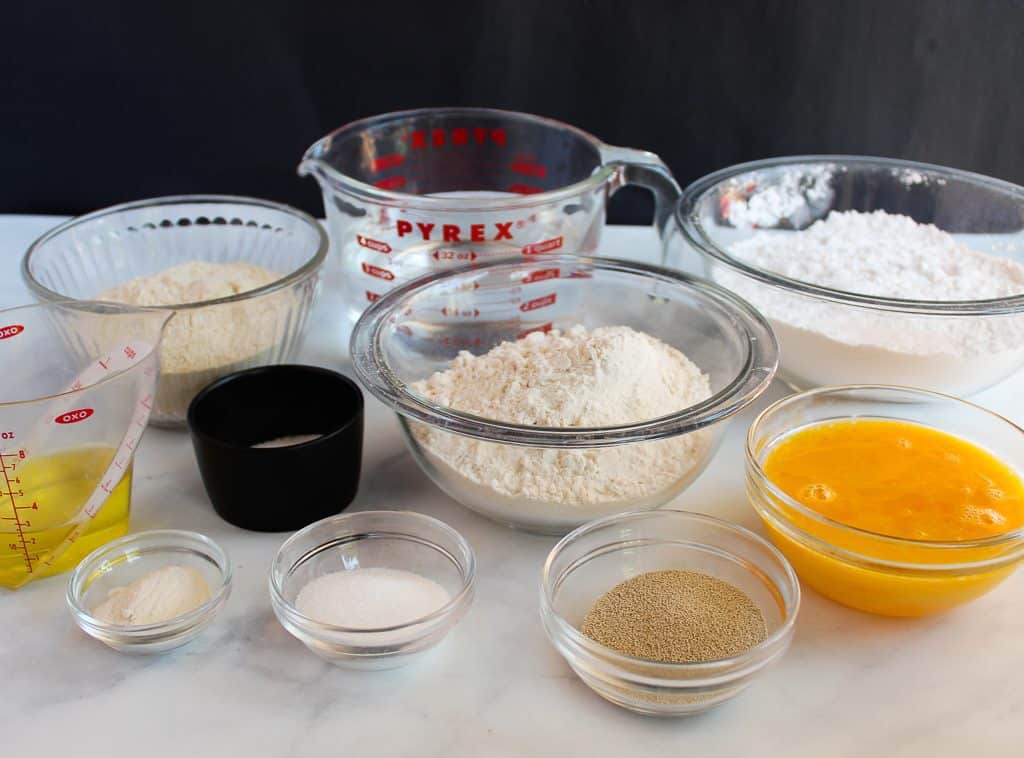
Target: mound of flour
203,344
884,255
608,376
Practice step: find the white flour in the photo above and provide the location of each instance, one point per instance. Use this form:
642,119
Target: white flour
889,256
203,344
605,377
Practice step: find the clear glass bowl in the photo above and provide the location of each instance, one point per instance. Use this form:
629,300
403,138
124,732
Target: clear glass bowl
828,336
873,572
119,563
373,539
595,558
419,328
84,257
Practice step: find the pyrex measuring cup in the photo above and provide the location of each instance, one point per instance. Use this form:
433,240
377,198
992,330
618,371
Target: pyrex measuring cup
76,391
417,191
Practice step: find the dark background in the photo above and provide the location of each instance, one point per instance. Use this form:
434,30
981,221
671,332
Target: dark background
103,102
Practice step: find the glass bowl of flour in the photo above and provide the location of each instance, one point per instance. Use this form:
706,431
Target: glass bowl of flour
241,275
870,270
546,392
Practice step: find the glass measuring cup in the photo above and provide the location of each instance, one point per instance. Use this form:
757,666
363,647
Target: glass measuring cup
417,191
76,392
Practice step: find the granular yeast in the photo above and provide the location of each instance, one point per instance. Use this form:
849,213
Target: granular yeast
676,617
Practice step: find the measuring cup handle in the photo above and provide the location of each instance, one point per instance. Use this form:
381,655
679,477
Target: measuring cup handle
644,169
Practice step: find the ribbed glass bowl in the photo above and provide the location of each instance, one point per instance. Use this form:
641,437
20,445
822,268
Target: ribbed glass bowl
209,339
829,336
419,328
596,557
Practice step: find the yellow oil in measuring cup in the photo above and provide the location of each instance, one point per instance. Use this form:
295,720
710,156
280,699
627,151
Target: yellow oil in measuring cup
41,498
76,392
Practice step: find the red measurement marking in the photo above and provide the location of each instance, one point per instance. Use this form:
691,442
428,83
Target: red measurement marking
542,247
480,135
395,182
372,244
418,138
385,162
18,525
372,296
437,137
404,329
377,271
542,328
12,330
539,302
73,417
524,189
498,137
525,168
454,255
129,353
460,136
461,313
540,276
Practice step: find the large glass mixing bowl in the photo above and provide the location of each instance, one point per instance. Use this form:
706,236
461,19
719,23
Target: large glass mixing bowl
419,328
830,336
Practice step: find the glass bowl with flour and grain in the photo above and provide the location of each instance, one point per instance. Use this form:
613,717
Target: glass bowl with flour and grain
544,392
240,274
870,270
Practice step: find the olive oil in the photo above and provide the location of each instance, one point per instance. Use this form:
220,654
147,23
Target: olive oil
39,500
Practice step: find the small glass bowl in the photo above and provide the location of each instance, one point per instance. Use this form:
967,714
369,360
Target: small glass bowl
419,328
831,337
82,258
872,572
596,557
373,539
119,563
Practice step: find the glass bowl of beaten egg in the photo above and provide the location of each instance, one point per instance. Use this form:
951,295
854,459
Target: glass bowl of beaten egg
890,500
241,275
539,477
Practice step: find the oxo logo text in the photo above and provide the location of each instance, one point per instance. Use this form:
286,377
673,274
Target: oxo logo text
454,232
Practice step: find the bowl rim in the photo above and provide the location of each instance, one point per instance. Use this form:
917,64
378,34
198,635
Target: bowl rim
313,164
758,478
167,538
694,233
202,432
752,379
456,601
727,668
307,269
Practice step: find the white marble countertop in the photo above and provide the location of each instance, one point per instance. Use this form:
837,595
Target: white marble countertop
851,684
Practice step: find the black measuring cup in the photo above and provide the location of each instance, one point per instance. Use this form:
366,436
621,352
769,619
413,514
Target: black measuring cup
281,488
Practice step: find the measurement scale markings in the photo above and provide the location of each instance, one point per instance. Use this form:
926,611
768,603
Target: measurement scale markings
17,519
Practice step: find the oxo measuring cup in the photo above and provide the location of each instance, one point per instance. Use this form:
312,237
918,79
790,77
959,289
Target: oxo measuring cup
76,391
417,191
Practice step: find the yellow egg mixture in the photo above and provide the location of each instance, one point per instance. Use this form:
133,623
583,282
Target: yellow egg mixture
898,479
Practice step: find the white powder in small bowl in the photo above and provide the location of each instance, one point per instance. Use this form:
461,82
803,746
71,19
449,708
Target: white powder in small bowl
370,598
